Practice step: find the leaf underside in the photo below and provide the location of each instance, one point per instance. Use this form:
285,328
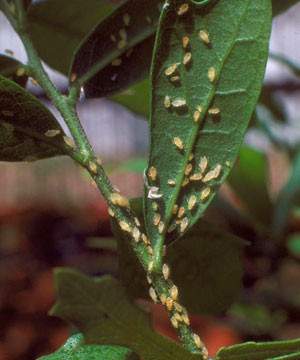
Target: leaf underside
237,51
9,68
23,121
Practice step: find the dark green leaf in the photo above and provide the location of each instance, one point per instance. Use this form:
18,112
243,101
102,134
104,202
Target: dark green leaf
58,26
206,261
261,351
24,120
9,68
117,53
100,309
279,6
248,180
238,48
73,349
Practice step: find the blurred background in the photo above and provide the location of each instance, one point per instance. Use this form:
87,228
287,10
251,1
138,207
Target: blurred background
51,215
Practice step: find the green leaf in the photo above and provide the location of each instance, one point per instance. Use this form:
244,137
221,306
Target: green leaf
248,180
206,261
58,26
117,53
235,59
73,349
9,68
261,351
279,6
293,244
24,120
100,309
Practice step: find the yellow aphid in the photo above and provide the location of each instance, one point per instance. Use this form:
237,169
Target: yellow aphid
150,266
181,212
164,250
204,36
184,224
205,193
150,250
163,299
93,167
99,161
174,292
170,69
172,227
174,322
192,202
213,174
214,111
166,271
171,182
136,234
126,19
187,58
178,103
185,182
69,142
117,198
177,306
186,319
145,239
191,157
196,177
211,74
137,222
197,340
197,116
116,62
185,41
110,212
124,226
153,173
188,169
113,38
183,9
52,133
167,101
175,209
34,82
149,280
161,227
73,77
123,34
178,317
177,141
174,78
228,163
9,52
203,163
121,44
20,71
169,303
129,52
154,206
156,219
148,19
153,295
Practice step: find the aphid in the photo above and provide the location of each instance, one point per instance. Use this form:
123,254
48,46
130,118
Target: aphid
196,177
7,113
175,209
211,74
124,226
178,221
185,41
149,280
156,219
116,62
153,173
137,222
145,239
178,103
228,163
185,182
123,34
99,161
150,250
172,227
191,156
93,167
203,163
136,234
181,212
199,108
204,36
153,295
9,52
184,224
154,206
171,182
152,193
174,322
197,340
177,141
167,101
113,38
148,19
117,198
164,250
150,266
73,77
129,52
126,19
214,111
121,44
20,71
186,319
52,133
174,78
170,69
163,299
183,9
69,142
174,292
197,116
161,227
178,317
192,202
110,212
187,58
166,271
169,303
177,306
213,174
205,193
188,169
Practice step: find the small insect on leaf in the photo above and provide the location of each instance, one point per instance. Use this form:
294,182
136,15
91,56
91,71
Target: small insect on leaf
167,101
187,58
174,322
184,224
204,36
185,41
153,295
163,299
52,133
166,271
179,103
171,69
192,202
156,219
205,193
136,234
124,226
161,227
183,9
203,163
214,111
153,173
169,303
211,74
174,292
181,212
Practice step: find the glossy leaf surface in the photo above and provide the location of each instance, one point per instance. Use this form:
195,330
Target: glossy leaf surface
100,309
204,111
58,26
73,349
24,120
9,68
117,53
